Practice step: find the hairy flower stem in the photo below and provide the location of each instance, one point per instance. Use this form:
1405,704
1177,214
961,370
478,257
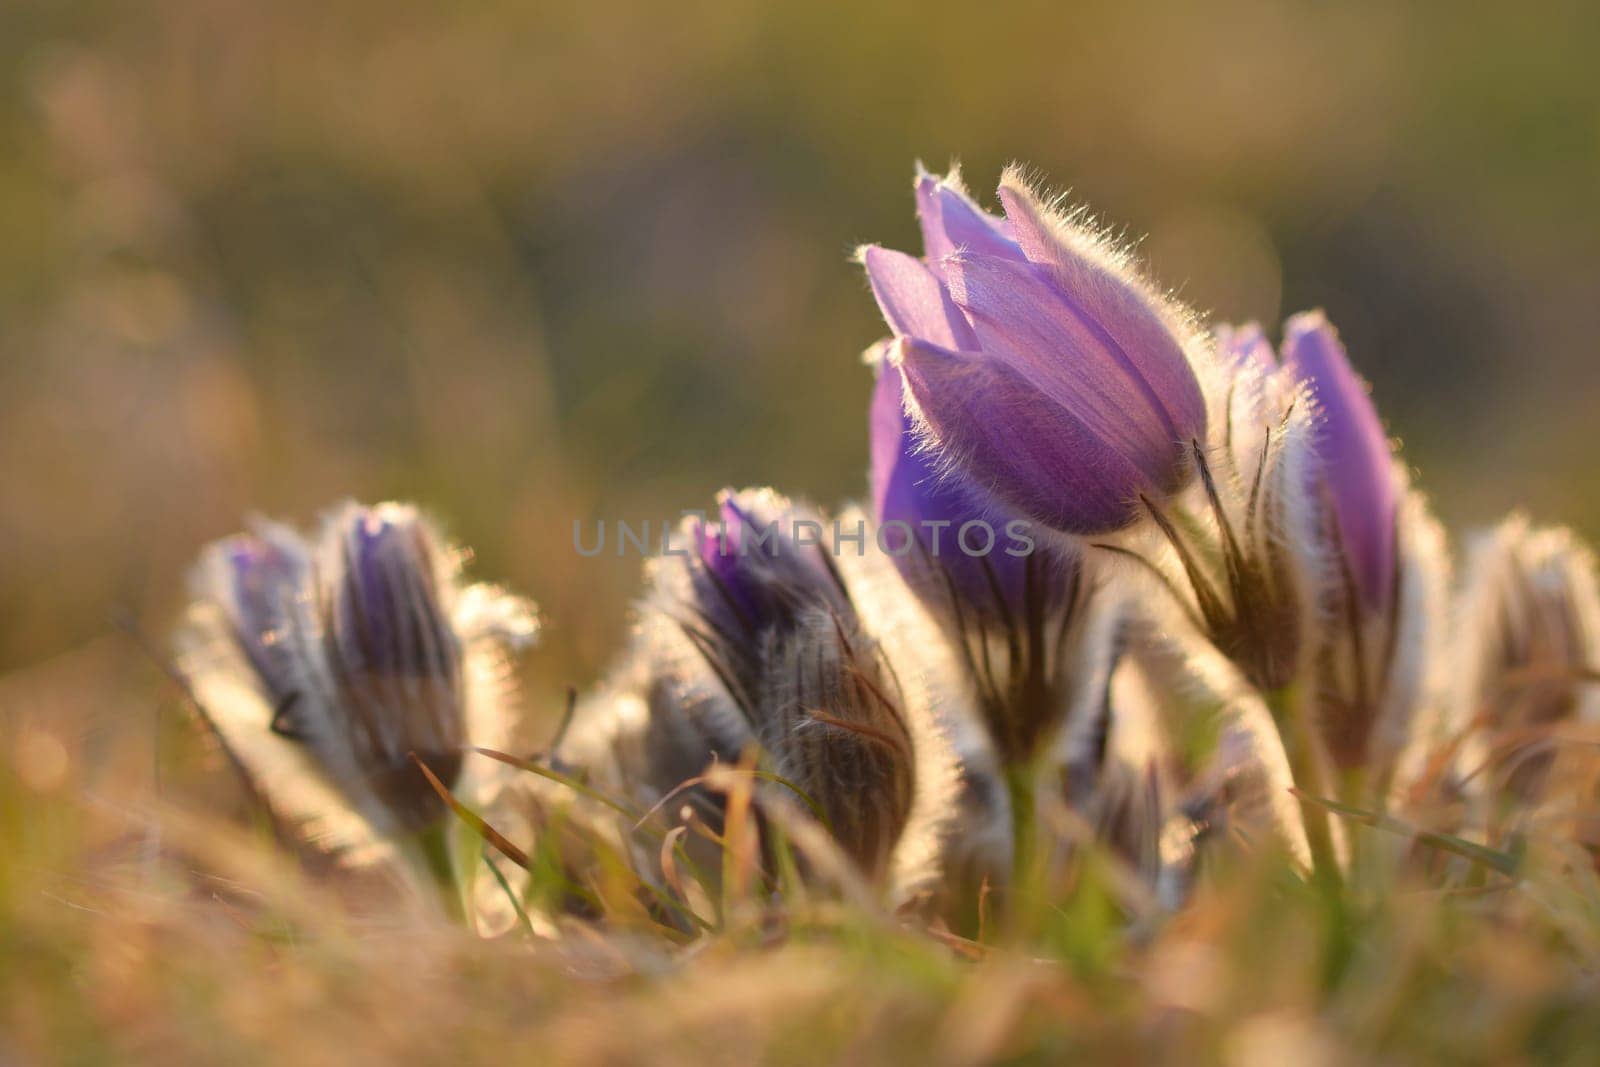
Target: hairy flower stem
1311,773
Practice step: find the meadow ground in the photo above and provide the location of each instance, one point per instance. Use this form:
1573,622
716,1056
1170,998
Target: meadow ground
137,929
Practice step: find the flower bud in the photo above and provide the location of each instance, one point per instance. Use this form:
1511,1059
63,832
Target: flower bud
394,656
1009,600
1317,570
751,639
1528,646
1038,361
1354,457
261,583
1382,580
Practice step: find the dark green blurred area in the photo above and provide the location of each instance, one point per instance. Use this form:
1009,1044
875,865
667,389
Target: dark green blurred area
534,263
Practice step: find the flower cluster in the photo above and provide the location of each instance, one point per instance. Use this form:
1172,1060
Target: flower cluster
1216,585
341,672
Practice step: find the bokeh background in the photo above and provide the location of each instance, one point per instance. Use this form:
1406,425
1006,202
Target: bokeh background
532,263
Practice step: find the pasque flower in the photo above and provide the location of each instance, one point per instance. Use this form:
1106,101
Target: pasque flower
395,659
1384,564
325,667
1354,460
750,641
1038,360
1528,648
1237,553
1012,602
1335,570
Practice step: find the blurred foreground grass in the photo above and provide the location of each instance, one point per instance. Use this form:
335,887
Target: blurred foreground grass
134,932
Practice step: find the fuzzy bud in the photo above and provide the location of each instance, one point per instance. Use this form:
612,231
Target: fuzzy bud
1037,360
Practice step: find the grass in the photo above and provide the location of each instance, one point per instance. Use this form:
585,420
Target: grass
140,934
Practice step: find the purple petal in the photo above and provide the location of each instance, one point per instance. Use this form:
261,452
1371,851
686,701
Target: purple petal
1353,450
1129,319
906,487
1035,457
266,577
720,548
1021,321
764,575
1246,346
914,302
895,462
388,619
262,573
951,222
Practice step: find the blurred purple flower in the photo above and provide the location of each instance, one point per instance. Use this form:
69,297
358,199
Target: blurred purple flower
388,620
1353,454
262,577
1037,360
394,650
329,663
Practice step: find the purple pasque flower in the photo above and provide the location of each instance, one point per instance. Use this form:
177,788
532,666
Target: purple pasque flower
322,664
1321,493
1353,455
788,668
390,621
1343,567
392,648
1009,600
330,662
1038,360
